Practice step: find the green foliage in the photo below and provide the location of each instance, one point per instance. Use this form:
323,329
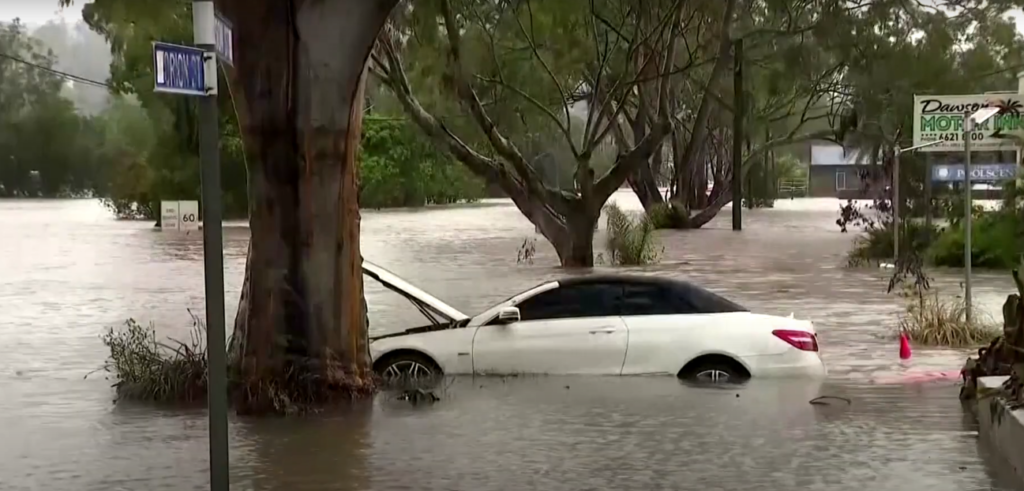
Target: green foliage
789,168
661,215
399,167
44,143
997,241
875,243
933,52
997,236
630,240
150,370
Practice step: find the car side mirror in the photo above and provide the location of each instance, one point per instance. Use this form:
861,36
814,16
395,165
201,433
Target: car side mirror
508,315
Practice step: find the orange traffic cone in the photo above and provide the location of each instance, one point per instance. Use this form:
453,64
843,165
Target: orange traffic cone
904,347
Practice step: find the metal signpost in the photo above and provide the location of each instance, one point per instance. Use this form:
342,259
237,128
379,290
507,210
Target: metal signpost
192,71
971,121
737,141
896,229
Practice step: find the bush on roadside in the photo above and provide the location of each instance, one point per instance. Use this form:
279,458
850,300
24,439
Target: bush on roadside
875,243
150,370
997,241
147,370
931,320
630,240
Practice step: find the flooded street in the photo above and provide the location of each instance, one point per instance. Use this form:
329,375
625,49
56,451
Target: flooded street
68,271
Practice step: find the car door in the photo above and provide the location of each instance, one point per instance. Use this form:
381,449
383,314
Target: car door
572,329
664,328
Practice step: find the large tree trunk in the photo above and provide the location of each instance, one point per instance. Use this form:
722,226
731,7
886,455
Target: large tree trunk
299,336
573,239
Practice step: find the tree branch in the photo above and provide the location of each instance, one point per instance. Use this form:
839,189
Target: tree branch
628,162
505,148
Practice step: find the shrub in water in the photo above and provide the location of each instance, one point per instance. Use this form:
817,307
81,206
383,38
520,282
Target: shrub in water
630,241
147,369
997,241
930,320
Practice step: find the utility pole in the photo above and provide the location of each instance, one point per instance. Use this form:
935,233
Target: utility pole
204,21
737,135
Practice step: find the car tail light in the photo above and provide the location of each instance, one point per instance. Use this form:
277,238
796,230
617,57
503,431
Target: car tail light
801,340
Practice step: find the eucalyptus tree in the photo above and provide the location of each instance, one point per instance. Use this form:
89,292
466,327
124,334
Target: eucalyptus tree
517,69
297,82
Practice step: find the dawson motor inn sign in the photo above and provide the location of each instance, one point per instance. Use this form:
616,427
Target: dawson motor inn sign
941,117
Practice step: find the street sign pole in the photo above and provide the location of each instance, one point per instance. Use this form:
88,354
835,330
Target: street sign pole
204,23
979,117
896,228
737,136
968,208
896,202
192,71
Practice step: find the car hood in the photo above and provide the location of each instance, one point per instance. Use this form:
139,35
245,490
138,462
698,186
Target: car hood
405,289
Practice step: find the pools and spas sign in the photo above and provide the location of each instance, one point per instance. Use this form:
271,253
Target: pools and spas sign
989,173
941,117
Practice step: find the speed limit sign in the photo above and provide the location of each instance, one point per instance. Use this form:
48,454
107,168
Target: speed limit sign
188,215
179,215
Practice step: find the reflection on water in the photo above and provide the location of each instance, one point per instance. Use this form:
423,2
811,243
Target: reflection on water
67,270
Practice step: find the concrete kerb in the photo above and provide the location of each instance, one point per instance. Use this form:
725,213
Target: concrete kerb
1001,427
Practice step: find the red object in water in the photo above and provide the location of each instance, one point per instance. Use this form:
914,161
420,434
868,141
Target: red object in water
801,340
904,347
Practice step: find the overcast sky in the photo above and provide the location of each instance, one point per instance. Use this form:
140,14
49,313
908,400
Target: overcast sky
39,12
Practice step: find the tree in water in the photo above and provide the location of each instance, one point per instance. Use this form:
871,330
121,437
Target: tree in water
299,337
516,94
789,83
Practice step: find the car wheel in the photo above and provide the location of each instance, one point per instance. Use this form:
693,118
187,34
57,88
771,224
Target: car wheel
715,373
408,366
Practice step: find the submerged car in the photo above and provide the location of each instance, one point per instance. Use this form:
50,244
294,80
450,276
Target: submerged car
598,325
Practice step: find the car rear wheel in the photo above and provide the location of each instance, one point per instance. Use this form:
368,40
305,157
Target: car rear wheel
408,366
715,373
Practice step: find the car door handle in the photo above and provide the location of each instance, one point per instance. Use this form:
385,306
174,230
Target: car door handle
603,330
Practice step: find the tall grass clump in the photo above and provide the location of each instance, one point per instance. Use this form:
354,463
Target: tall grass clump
931,320
150,370
630,240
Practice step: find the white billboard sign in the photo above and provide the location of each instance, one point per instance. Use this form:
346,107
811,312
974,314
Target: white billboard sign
179,215
169,215
941,118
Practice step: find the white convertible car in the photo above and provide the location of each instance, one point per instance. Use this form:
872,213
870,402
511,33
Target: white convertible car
598,325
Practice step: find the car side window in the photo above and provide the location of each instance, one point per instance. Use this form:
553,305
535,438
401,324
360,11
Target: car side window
651,299
582,300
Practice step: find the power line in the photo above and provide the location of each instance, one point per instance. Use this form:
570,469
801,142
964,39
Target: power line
64,75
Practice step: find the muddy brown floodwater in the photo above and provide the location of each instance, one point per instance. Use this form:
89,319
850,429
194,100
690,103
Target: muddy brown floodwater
67,270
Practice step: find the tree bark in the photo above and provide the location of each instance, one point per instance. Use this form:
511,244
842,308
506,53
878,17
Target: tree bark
299,334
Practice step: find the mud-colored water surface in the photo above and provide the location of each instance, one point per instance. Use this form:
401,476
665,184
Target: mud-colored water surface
68,270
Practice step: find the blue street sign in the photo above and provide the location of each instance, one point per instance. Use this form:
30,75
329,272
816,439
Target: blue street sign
979,172
179,69
225,39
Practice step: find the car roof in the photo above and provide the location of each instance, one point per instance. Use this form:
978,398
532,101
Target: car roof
624,278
